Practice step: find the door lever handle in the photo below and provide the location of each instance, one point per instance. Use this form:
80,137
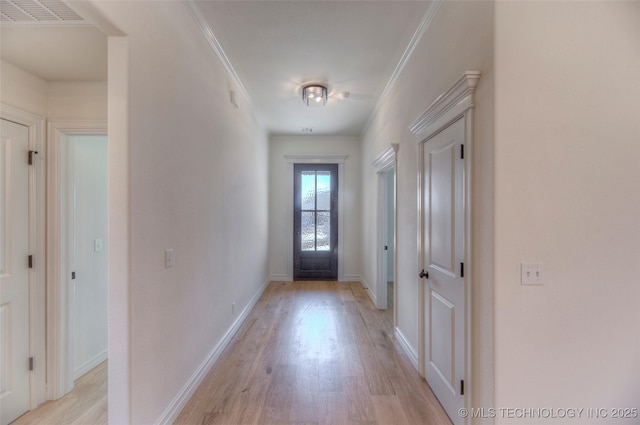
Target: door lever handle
424,274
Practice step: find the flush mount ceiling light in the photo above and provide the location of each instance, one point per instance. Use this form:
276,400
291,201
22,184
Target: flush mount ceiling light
314,95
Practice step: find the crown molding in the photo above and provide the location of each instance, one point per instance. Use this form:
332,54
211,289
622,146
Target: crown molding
217,48
451,103
426,22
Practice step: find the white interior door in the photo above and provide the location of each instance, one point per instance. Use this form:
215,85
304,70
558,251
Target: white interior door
443,248
14,273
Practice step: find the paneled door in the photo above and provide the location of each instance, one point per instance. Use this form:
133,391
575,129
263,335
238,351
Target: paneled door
315,245
14,272
443,250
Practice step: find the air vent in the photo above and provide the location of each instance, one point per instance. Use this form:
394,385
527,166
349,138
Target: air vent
37,11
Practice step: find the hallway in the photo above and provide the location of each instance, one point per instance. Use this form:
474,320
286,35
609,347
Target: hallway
314,353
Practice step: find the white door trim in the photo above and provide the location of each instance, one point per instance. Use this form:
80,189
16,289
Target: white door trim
37,221
60,300
384,163
455,103
316,159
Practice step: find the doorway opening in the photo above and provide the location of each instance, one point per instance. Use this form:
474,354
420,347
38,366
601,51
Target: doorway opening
389,237
386,288
77,300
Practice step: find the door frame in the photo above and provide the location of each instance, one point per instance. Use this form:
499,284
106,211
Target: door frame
37,229
385,163
316,159
332,254
60,302
456,103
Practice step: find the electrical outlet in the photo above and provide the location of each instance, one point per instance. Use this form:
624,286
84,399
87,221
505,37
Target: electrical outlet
532,274
168,258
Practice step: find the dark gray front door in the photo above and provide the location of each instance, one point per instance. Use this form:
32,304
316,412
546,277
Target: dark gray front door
315,245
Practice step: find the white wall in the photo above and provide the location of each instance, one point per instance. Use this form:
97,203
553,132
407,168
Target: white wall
199,185
22,89
567,167
281,219
50,99
460,39
90,286
77,100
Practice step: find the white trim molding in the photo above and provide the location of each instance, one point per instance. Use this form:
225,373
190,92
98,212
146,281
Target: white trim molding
367,288
387,158
448,106
409,349
454,104
37,246
316,159
60,373
427,20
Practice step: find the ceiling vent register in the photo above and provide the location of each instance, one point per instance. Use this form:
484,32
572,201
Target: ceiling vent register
37,11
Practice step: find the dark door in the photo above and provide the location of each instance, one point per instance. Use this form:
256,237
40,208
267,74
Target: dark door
315,223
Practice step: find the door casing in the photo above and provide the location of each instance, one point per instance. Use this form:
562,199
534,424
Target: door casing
37,222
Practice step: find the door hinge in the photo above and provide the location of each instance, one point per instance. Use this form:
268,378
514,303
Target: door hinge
462,387
386,248
30,363
461,151
73,275
31,153
461,269
30,261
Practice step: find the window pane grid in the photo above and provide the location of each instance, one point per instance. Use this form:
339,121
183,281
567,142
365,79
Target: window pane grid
315,210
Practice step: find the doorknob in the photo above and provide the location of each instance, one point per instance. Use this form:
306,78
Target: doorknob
424,274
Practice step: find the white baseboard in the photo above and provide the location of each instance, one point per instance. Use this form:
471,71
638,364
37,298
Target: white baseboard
183,396
407,348
351,278
372,294
280,278
89,364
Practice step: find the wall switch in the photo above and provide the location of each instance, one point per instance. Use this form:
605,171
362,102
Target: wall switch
532,274
168,258
97,245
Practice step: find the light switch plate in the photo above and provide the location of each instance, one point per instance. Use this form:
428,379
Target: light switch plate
532,274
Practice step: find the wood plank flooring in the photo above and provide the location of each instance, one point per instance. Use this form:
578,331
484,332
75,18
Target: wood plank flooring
314,353
85,405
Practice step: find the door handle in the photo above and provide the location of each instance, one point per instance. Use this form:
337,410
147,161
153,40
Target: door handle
424,274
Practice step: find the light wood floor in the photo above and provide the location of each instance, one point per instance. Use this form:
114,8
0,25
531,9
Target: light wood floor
314,353
85,405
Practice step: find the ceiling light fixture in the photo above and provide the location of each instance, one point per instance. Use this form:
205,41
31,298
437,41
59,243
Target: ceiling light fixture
314,95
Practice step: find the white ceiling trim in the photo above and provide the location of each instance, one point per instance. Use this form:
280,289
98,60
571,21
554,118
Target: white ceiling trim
217,48
426,22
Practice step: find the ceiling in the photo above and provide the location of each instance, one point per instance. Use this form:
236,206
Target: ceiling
272,47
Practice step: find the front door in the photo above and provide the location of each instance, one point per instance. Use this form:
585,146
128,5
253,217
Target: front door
443,250
14,272
315,245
